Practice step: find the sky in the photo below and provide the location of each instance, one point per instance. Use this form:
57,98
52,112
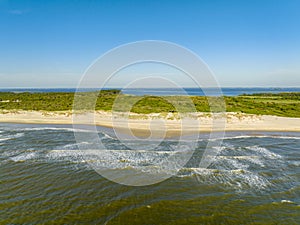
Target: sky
245,43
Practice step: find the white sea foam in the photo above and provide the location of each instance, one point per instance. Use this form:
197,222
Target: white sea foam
4,139
139,158
24,156
230,170
63,154
256,160
264,152
108,136
295,163
250,158
53,128
258,136
287,201
235,164
237,178
73,146
9,153
112,158
244,157
10,137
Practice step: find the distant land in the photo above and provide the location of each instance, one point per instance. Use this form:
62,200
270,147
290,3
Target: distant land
227,91
285,104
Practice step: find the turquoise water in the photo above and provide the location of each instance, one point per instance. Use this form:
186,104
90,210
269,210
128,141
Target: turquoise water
255,179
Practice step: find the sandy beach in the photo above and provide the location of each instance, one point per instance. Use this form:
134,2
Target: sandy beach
159,124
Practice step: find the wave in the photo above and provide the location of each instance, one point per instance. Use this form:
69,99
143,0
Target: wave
287,201
247,160
253,154
125,160
10,137
4,139
257,136
236,178
234,166
53,128
115,159
248,157
24,157
264,152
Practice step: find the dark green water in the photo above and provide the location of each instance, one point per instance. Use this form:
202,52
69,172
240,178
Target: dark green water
255,179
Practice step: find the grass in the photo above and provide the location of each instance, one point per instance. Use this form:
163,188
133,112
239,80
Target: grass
282,104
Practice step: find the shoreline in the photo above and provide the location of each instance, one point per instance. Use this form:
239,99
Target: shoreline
157,124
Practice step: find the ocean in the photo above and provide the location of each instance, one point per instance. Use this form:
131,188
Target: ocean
166,91
254,179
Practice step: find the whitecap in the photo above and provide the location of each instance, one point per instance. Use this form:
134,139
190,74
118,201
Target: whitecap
4,139
24,156
9,137
257,136
250,158
236,178
53,128
264,152
287,201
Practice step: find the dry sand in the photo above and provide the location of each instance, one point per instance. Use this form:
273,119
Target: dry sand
159,123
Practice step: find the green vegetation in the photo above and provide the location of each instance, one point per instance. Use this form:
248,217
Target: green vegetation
282,104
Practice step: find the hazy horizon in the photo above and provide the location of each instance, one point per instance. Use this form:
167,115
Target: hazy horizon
246,87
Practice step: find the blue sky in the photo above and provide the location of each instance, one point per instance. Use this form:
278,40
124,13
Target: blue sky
245,43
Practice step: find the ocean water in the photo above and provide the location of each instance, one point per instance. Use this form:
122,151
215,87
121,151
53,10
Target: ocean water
166,91
254,179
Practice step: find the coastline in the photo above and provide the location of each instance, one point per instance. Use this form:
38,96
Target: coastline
157,124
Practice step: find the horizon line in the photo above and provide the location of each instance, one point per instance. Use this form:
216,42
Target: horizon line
279,87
